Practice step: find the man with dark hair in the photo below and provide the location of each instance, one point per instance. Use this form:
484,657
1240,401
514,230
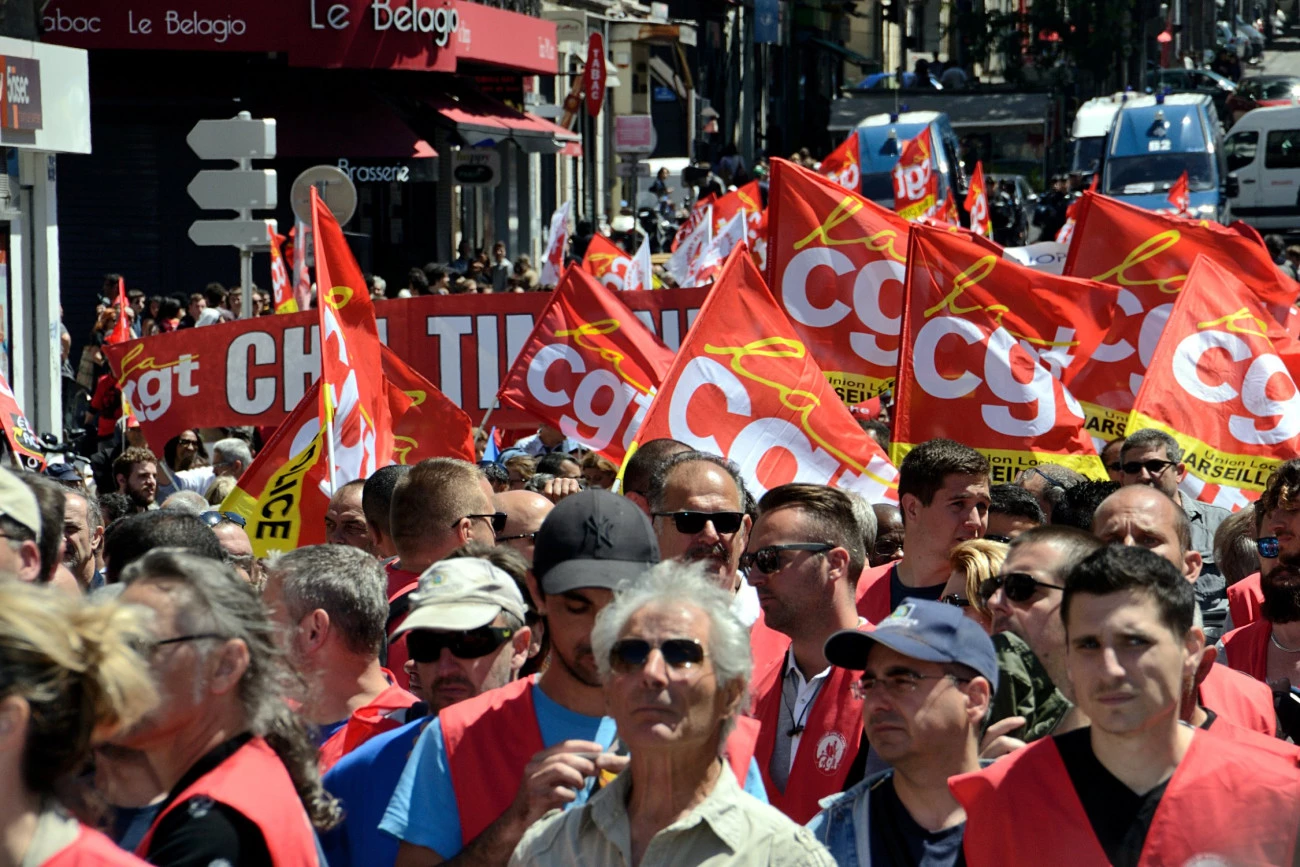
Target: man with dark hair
890,535
803,557
330,605
639,469
877,430
496,475
132,537
1121,790
345,519
1277,527
1235,548
560,465
376,500
1048,484
136,471
1079,505
20,528
697,502
1012,510
1112,460
943,494
50,501
1153,458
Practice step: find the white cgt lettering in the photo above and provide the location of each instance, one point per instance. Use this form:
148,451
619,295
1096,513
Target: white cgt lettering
1254,387
585,397
151,393
866,299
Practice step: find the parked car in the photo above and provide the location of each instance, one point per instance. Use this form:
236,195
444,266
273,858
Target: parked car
1226,36
1023,200
1258,91
885,81
1204,81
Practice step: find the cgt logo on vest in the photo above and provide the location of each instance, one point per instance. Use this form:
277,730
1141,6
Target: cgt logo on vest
831,748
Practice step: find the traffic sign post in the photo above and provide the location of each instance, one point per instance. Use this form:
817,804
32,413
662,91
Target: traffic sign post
244,190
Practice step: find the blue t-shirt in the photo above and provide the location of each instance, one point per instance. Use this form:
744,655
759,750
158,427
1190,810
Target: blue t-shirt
423,809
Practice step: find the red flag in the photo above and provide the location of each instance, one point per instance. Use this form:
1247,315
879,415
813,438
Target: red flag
24,445
1222,381
122,330
1148,255
428,424
743,386
756,238
590,368
951,215
282,299
990,344
749,197
1180,194
916,187
844,164
557,242
838,263
354,397
300,237
977,203
607,262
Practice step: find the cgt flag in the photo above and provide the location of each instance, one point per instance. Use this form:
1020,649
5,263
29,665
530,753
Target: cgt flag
681,264
837,263
557,242
749,198
990,344
844,164
705,268
1148,256
121,332
282,300
354,396
1223,382
607,262
977,203
24,445
590,368
916,187
701,212
640,274
1180,194
744,386
426,423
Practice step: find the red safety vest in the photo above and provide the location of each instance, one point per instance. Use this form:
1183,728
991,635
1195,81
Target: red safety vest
400,583
1247,649
766,645
1244,600
492,737
381,715
1225,799
254,782
1240,699
873,592
92,849
831,736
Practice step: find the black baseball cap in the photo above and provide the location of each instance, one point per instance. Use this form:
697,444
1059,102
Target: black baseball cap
921,629
593,539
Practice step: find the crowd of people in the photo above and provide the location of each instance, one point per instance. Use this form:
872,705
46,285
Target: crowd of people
509,663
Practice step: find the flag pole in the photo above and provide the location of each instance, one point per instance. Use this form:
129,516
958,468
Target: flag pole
487,415
328,394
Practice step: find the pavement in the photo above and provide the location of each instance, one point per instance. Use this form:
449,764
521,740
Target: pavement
1281,57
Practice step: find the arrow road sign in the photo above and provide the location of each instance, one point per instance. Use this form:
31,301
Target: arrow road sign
234,190
230,233
240,138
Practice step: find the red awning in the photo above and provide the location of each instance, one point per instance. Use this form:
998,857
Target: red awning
483,121
368,128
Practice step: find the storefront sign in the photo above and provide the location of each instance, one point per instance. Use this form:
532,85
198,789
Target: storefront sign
593,76
20,95
394,174
476,167
253,372
634,134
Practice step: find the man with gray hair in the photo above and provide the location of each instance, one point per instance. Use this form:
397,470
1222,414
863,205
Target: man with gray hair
83,538
230,457
1153,458
674,663
1048,483
329,602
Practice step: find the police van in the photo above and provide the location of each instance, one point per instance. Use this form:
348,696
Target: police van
881,138
1263,155
1154,140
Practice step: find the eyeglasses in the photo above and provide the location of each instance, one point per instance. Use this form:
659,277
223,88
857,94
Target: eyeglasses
993,537
768,559
1045,477
146,647
630,654
898,684
1019,586
691,523
212,519
956,599
519,536
1269,547
497,519
191,443
425,645
1153,467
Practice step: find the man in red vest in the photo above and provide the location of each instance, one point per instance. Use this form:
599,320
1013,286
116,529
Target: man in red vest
943,493
804,554
1145,516
1277,528
329,603
1138,785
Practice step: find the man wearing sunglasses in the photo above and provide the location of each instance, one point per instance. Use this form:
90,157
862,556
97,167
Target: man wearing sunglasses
525,511
804,556
928,674
698,505
328,601
943,493
1153,458
1136,785
1277,531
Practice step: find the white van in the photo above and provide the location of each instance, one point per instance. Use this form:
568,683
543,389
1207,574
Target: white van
1263,154
1088,134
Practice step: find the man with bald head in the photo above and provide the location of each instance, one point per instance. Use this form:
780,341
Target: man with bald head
524,511
345,521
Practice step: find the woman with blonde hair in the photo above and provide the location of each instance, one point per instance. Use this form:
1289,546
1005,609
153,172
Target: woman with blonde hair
69,678
973,562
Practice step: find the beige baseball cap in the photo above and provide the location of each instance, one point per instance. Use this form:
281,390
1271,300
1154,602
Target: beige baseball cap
461,594
19,503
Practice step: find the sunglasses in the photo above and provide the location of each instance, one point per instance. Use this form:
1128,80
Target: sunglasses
1019,586
768,560
212,519
425,645
1153,467
498,520
512,538
1268,547
691,523
956,599
630,654
1115,467
993,537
